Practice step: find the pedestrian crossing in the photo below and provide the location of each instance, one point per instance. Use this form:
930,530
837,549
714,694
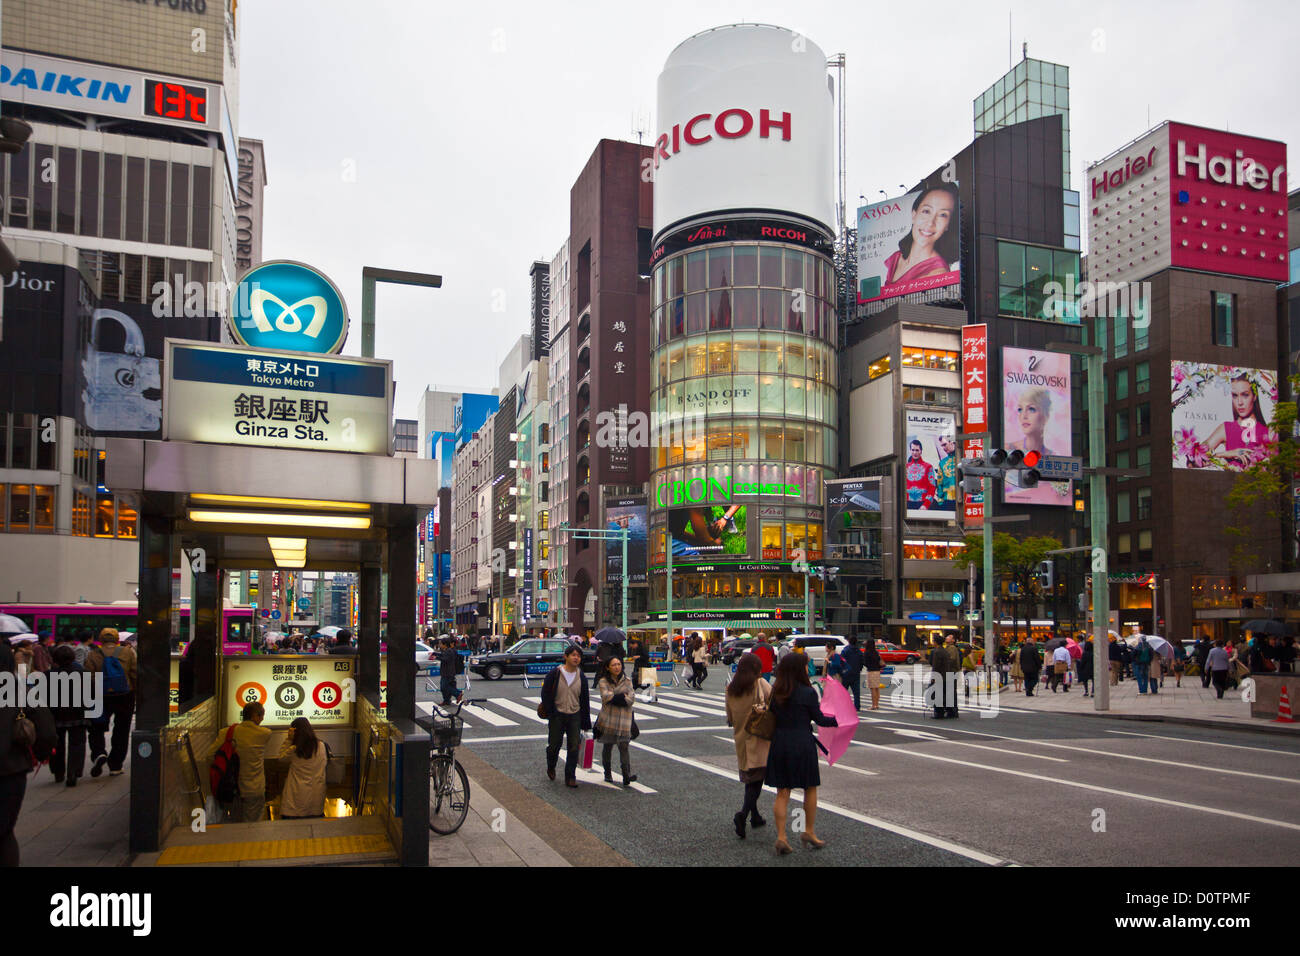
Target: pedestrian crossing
509,712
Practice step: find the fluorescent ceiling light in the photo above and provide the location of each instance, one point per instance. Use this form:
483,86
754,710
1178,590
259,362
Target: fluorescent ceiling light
287,544
360,522
290,564
278,502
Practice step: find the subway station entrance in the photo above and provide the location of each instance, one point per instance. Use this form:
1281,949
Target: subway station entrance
209,508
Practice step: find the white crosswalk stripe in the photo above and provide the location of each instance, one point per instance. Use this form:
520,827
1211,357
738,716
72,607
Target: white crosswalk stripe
426,707
595,709
487,715
520,709
701,704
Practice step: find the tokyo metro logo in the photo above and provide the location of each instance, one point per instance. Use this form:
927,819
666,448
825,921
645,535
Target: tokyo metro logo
290,306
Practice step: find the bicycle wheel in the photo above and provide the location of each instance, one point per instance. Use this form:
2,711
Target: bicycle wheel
448,794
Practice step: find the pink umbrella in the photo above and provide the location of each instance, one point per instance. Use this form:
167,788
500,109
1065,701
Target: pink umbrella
837,703
1074,647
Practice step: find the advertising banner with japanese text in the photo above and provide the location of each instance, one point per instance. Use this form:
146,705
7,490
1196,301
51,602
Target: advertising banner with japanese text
974,407
245,396
318,688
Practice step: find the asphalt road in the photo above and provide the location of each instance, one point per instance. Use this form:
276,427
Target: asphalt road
1012,788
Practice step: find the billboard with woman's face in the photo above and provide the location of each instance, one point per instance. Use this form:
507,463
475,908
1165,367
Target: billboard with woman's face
1221,415
909,244
1036,417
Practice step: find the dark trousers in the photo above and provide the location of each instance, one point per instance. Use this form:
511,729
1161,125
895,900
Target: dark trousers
1205,676
1031,679
71,744
118,708
624,757
854,683
447,684
1057,679
561,725
700,673
752,792
1220,679
12,788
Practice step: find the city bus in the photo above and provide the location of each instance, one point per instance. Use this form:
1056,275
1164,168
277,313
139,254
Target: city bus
236,619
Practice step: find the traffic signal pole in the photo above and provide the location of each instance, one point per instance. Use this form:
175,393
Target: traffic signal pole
990,639
1097,500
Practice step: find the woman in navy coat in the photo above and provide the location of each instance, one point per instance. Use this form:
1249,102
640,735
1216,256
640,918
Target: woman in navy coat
792,761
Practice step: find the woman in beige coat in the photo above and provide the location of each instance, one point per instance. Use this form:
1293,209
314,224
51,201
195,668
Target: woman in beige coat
746,689
304,787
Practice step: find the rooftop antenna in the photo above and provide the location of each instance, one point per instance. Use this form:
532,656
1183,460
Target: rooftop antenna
1024,49
640,124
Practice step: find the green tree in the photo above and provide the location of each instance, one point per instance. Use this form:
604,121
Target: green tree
1268,483
1016,559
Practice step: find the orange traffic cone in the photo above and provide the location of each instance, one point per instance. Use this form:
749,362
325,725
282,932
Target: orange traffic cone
1284,708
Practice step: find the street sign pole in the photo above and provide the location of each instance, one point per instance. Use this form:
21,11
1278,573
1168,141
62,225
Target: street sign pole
990,641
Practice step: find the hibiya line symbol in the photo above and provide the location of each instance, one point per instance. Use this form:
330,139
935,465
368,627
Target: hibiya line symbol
712,491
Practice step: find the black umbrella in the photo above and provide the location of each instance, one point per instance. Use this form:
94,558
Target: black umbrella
1053,644
609,635
1262,626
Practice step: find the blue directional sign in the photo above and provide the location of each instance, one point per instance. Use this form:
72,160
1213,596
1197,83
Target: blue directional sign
957,598
543,607
304,603
1060,468
291,306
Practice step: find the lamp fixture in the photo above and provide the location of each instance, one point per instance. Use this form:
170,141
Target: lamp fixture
357,522
206,499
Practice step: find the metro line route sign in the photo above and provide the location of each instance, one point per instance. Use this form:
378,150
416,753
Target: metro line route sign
291,306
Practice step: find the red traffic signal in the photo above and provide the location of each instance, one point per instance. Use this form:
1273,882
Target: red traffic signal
1032,458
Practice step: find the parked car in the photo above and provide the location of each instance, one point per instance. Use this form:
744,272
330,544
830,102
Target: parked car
425,656
814,645
891,653
733,649
534,650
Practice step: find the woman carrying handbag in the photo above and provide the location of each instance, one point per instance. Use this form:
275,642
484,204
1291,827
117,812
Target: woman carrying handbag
792,762
615,726
752,726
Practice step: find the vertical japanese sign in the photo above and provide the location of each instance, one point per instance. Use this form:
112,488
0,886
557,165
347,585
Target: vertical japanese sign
974,406
618,455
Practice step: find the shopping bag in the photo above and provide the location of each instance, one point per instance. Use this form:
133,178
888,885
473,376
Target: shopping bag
588,752
688,672
647,677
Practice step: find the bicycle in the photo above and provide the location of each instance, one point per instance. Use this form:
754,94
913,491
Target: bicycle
448,782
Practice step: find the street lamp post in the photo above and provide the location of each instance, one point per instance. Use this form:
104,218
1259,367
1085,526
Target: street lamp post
604,534
371,275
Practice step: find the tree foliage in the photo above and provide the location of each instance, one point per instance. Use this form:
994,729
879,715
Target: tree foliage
1268,483
1016,559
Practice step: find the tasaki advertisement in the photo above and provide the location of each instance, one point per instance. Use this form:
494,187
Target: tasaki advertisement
246,396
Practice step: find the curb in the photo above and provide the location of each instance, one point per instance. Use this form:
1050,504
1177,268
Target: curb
1186,721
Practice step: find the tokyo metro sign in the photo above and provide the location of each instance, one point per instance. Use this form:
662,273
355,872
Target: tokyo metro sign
291,306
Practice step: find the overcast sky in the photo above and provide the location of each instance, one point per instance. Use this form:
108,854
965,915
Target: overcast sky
444,136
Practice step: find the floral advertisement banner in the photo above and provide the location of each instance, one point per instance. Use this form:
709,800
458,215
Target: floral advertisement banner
1221,415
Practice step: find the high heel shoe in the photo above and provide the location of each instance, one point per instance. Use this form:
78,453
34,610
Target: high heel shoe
739,821
756,821
782,848
811,841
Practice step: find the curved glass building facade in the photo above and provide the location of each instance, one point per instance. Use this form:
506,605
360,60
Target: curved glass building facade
744,399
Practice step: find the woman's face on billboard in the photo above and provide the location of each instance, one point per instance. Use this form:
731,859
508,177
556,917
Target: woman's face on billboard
930,220
1243,399
1033,417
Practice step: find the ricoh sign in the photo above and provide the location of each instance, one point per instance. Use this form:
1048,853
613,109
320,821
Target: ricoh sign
1193,198
746,124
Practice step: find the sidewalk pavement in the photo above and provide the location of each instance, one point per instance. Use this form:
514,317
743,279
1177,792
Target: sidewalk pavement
87,825
1190,703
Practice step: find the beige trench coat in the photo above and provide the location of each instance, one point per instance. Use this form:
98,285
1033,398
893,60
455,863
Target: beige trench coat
304,787
751,751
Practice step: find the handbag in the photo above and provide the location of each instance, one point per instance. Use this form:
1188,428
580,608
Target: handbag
588,752
636,731
761,722
24,731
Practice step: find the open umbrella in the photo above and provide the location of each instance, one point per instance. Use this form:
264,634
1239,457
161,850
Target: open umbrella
1074,647
1054,643
329,631
1265,626
1160,646
837,703
12,625
609,635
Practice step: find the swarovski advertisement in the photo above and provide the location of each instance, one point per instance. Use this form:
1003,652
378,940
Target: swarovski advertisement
626,514
910,244
851,505
1036,417
121,367
930,466
1221,415
704,532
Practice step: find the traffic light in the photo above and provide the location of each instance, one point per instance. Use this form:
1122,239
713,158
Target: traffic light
999,464
1047,574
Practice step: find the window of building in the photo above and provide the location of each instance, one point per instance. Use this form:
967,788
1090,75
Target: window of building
1142,378
1121,337
772,542
1144,546
1121,384
1144,504
1143,419
1124,545
1143,457
1121,425
1123,507
1223,309
939,359
1123,459
879,367
921,395
1024,273
544,520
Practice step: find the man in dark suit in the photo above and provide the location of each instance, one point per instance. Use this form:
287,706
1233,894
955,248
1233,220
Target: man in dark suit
1030,664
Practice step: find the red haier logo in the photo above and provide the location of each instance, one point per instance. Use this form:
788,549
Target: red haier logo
1116,178
1241,171
734,123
